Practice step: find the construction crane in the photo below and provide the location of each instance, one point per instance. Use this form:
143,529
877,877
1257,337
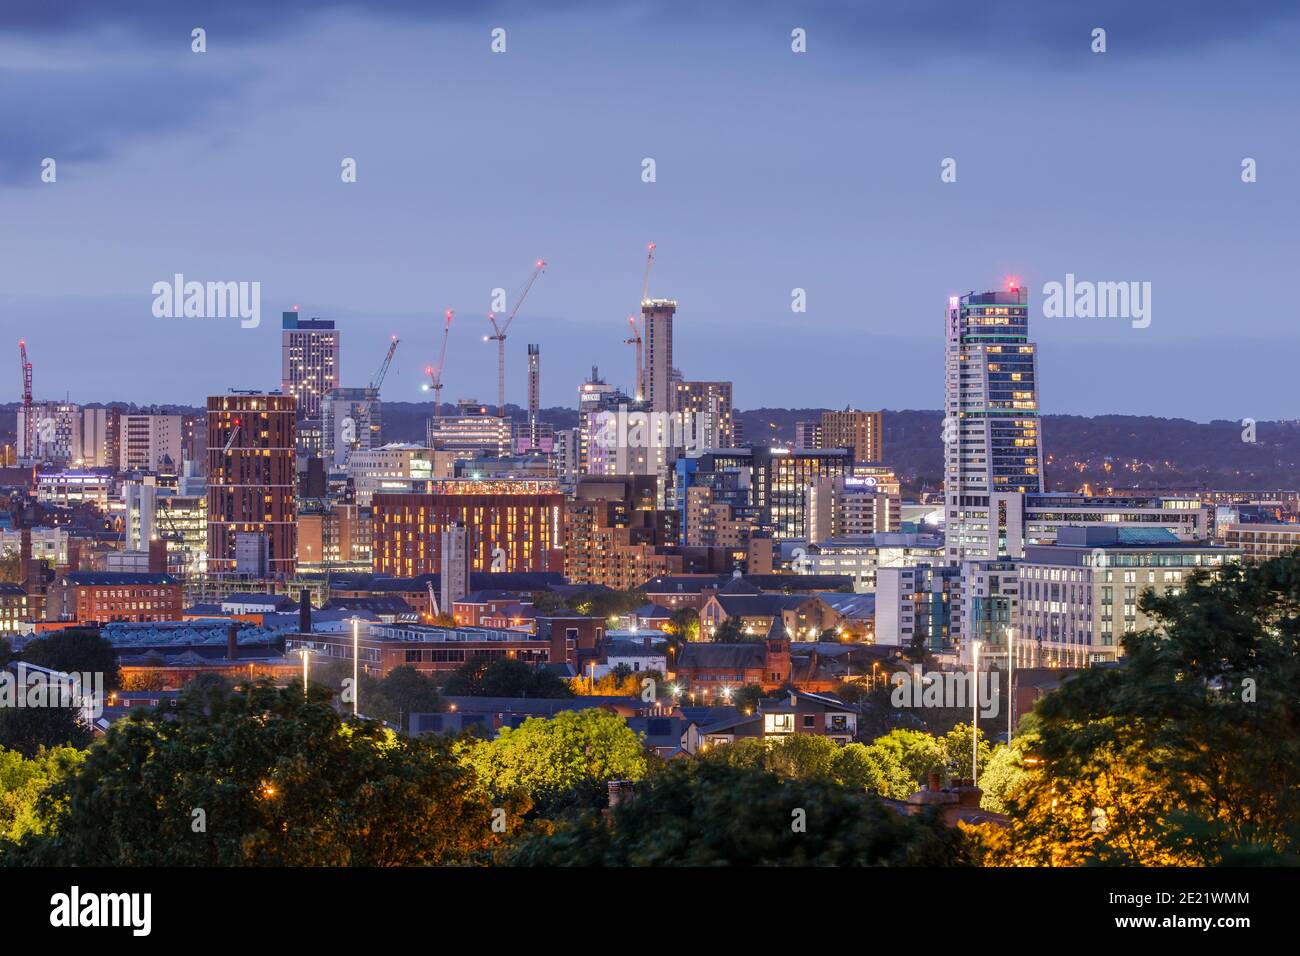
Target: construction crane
636,338
234,433
435,371
500,337
29,429
379,376
645,282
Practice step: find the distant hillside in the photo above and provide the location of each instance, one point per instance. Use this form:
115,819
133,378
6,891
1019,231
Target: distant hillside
1108,451
1119,451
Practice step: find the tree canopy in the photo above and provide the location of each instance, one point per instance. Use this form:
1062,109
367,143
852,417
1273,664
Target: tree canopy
1189,753
262,776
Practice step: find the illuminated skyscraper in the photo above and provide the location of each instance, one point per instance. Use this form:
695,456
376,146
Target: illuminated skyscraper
992,439
657,321
251,479
309,362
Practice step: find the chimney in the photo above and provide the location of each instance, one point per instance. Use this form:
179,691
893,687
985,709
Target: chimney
621,791
232,642
157,556
933,784
74,554
647,643
304,612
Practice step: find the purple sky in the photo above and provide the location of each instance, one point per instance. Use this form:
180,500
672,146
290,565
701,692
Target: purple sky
775,171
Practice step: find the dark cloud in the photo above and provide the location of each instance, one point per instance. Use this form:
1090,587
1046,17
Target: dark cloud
1011,27
86,115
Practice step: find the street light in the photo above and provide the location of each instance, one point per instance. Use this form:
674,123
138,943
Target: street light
356,657
304,652
1011,682
975,710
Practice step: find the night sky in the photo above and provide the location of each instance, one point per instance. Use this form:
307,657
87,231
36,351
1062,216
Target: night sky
775,171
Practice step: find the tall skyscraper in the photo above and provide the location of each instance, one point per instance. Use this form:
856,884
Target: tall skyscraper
251,478
309,362
857,431
534,393
657,321
991,434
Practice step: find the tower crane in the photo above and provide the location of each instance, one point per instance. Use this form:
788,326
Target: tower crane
636,329
499,336
380,375
435,371
636,340
29,429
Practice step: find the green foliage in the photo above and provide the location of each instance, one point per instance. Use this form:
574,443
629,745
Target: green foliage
712,813
22,782
606,603
1002,776
747,697
75,650
956,746
1188,754
685,623
504,677
731,631
402,692
262,777
28,730
917,753
546,760
813,757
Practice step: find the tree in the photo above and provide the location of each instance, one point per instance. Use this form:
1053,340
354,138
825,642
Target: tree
22,782
916,752
504,677
731,631
548,759
1003,775
29,730
402,692
75,651
684,623
10,567
144,680
1190,753
813,757
712,813
956,746
874,770
263,776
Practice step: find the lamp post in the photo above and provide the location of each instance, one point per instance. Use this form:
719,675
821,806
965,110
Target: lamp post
975,709
356,657
304,653
1011,679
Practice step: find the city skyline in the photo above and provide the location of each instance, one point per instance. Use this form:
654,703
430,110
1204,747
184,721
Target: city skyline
238,162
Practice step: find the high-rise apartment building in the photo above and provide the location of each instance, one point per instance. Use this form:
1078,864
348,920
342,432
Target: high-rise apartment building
309,362
149,442
657,322
709,406
251,478
991,433
852,429
776,481
511,525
